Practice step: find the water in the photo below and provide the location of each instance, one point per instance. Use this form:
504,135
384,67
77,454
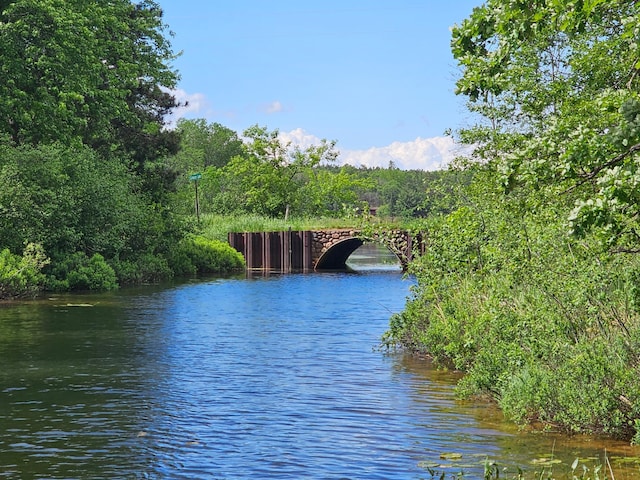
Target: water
274,377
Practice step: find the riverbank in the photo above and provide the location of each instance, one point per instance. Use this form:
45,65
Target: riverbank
546,324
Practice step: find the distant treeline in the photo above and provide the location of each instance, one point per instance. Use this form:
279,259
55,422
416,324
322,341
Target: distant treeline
258,173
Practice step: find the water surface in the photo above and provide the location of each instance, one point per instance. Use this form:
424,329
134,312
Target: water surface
274,377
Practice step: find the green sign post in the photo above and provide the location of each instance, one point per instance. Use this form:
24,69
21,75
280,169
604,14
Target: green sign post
194,178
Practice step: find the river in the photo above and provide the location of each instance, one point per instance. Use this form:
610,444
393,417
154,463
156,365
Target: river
247,377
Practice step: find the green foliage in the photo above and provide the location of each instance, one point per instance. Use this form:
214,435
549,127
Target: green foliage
146,268
21,276
268,179
263,175
71,200
204,145
201,255
556,85
545,324
79,272
67,199
266,176
86,71
407,193
83,167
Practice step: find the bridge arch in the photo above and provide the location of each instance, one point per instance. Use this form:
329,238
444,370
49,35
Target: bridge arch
335,257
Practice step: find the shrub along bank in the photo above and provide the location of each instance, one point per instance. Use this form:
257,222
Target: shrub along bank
546,324
89,225
28,275
191,256
531,284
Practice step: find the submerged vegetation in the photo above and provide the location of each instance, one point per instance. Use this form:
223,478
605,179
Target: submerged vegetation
542,469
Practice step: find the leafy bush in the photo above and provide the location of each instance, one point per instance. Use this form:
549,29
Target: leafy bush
79,272
181,263
146,268
71,199
545,324
21,276
200,255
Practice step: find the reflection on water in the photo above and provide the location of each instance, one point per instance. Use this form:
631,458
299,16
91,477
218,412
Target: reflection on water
373,257
274,377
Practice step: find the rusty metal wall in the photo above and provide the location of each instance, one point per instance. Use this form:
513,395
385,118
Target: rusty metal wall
284,251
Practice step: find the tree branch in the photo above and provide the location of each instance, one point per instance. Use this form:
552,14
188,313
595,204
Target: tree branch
586,177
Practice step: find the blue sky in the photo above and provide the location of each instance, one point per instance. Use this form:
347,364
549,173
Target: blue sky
377,76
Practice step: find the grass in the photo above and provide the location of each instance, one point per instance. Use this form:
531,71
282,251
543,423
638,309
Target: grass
218,226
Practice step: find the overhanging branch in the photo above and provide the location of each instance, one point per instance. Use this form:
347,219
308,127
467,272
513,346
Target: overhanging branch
587,177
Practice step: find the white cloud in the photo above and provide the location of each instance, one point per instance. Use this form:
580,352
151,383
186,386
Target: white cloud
300,138
421,154
191,103
273,107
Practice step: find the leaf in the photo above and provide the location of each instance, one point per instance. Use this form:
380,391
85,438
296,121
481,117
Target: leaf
450,456
545,461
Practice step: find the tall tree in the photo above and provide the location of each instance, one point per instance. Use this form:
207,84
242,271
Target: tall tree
87,71
203,145
279,169
272,177
558,87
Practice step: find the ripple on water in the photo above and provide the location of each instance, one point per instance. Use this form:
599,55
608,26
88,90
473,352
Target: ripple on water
253,378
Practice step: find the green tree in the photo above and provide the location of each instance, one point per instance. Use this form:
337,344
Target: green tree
332,193
87,71
557,86
83,155
389,182
203,145
21,276
67,200
268,178
223,144
408,193
71,200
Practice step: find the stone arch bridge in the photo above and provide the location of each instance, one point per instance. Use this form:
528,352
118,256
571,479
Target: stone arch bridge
289,251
